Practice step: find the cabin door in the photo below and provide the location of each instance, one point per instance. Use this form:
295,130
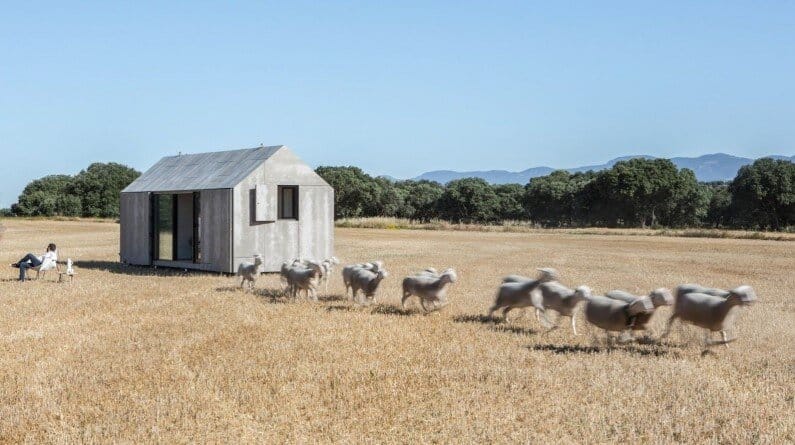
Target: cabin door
177,220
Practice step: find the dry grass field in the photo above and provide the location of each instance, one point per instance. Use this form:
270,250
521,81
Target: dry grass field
138,355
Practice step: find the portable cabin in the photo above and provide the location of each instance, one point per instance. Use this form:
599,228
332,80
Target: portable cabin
212,211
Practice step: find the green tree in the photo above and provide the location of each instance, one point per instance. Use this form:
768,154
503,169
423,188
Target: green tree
510,198
354,190
40,197
469,200
719,207
99,186
420,199
556,199
763,194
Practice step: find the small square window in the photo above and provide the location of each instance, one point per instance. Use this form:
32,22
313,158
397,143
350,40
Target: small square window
288,202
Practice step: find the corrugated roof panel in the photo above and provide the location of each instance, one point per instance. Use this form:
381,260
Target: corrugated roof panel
223,169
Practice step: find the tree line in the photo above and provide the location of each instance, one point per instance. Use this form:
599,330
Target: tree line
633,193
94,192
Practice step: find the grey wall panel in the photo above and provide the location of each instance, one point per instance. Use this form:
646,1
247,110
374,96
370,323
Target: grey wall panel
215,230
135,244
311,237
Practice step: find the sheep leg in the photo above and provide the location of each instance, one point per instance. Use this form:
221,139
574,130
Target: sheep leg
668,326
242,280
492,309
725,340
545,321
505,313
574,324
406,296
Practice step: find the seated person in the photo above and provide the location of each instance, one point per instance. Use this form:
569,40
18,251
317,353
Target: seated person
30,260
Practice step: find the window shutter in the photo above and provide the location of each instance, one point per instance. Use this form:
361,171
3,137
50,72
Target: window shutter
265,202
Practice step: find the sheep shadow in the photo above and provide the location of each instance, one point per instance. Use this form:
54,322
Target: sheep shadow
386,309
331,298
495,324
271,295
479,318
513,329
340,308
580,349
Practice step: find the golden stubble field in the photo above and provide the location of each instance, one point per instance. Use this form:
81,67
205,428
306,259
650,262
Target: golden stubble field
138,355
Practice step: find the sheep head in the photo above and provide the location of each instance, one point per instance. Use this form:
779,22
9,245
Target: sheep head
661,297
745,295
257,260
642,305
449,275
582,293
547,274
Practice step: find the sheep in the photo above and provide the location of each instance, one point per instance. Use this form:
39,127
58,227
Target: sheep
347,272
697,288
613,314
559,298
367,281
429,287
659,297
430,272
709,311
249,271
519,294
548,273
328,267
304,278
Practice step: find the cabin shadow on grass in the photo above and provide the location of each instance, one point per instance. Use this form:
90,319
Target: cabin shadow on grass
126,269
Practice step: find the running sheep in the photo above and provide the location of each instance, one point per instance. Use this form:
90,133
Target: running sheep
249,272
658,297
304,278
707,311
348,271
517,292
429,287
611,314
367,281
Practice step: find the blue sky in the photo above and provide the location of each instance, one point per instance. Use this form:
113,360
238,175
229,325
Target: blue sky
398,88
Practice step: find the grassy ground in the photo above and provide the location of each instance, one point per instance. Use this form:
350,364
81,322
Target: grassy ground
137,355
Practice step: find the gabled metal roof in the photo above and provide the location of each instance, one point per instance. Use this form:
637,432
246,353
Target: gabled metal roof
201,171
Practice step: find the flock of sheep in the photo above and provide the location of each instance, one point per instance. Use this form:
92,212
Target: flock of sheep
616,311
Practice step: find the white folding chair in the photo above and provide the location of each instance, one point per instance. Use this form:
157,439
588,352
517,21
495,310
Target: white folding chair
47,264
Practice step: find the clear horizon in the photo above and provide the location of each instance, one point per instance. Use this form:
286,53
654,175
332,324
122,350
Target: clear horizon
397,90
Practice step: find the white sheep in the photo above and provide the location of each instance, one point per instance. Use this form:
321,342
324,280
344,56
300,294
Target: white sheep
328,267
614,315
658,297
429,287
546,274
697,288
519,294
709,311
301,278
249,271
347,272
559,298
367,281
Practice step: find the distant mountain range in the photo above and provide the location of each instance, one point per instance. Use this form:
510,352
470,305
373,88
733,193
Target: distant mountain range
713,167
